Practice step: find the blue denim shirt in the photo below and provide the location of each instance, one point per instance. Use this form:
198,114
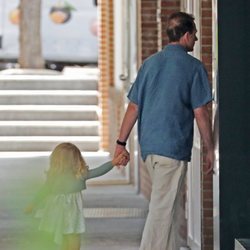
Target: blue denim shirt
169,86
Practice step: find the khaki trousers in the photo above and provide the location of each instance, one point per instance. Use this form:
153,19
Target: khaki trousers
161,231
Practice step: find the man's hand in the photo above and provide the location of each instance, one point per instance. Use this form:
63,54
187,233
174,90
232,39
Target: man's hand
120,158
205,128
209,162
122,150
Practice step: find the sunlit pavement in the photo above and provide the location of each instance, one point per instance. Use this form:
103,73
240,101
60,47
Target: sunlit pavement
115,215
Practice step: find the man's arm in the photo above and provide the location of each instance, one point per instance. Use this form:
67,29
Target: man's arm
205,128
128,123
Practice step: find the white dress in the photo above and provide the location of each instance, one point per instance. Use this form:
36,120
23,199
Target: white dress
62,211
62,214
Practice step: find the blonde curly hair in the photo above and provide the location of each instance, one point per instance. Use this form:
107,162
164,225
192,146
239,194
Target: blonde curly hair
66,157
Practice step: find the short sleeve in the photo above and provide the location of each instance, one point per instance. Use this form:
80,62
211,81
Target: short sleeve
201,93
134,90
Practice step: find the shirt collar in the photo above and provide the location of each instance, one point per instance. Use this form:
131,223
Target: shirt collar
175,47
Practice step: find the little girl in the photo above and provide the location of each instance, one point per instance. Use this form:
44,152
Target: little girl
62,211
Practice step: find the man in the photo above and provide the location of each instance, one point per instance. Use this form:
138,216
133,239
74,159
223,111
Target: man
171,89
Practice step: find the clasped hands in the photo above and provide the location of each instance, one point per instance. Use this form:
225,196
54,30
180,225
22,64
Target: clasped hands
122,156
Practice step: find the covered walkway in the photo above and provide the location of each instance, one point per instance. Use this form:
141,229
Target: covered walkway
115,215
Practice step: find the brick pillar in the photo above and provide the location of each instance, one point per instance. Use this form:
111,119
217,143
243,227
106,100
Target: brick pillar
206,182
106,65
148,28
111,41
167,8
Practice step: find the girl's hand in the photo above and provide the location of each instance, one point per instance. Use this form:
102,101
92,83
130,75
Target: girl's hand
121,158
29,209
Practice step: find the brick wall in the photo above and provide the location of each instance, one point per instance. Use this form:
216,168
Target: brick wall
106,66
167,7
148,28
206,182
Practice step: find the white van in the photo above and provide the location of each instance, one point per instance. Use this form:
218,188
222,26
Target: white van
68,29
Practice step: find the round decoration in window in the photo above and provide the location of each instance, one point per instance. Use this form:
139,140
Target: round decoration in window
61,12
14,16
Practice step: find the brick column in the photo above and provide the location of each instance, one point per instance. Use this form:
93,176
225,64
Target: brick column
148,28
206,182
106,65
167,8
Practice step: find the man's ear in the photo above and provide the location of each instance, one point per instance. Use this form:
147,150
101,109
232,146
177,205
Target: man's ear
184,39
186,36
